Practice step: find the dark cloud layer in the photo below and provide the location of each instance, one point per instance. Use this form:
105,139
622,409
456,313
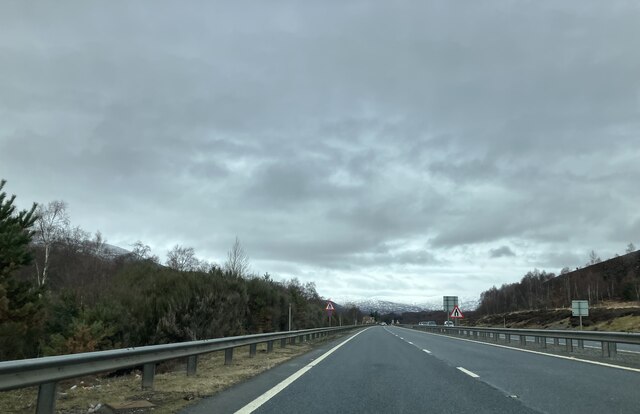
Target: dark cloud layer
503,251
342,143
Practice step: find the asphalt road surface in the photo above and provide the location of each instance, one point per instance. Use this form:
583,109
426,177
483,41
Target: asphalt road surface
398,370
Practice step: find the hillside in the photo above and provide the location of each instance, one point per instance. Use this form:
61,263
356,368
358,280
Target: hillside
616,279
612,316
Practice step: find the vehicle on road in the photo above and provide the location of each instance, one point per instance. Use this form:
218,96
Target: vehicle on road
427,323
448,323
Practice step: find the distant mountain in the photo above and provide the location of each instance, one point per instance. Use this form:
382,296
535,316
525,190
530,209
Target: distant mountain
384,306
109,250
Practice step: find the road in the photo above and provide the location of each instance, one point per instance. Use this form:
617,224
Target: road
398,370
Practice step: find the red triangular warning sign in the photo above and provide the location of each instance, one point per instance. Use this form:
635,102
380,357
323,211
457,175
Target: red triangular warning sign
329,306
456,313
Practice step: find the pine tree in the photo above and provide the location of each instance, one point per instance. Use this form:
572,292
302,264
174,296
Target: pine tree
20,301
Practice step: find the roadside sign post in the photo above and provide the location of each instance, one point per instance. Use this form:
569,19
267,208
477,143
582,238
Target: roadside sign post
448,303
580,308
329,308
456,313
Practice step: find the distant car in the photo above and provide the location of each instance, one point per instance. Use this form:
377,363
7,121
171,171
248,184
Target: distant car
448,323
383,324
427,323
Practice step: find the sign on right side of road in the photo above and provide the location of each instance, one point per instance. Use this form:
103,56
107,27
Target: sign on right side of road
449,302
456,313
580,307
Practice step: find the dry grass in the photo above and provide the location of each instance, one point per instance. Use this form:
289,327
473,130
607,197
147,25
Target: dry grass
172,390
629,323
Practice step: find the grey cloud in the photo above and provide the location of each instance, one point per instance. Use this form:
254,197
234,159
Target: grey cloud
503,251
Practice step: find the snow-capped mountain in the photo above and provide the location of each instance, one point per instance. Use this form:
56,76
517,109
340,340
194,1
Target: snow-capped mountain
385,306
382,306
109,250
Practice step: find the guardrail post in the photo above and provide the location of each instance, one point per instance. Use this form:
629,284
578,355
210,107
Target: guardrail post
609,349
523,340
269,347
556,341
192,365
292,340
507,338
148,372
581,343
569,344
252,350
47,398
283,342
228,356
544,342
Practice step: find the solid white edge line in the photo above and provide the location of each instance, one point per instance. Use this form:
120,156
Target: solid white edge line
255,404
586,361
410,343
427,351
469,373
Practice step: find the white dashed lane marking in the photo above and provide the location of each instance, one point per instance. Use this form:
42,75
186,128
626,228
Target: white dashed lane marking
469,373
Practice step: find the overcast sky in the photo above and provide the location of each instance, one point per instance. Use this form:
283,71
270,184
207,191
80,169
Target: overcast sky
396,150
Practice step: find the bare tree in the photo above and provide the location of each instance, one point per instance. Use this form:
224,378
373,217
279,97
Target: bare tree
142,251
237,260
565,270
51,226
205,266
75,239
630,248
182,258
97,245
593,258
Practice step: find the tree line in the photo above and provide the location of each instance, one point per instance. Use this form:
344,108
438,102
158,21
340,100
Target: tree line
62,290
